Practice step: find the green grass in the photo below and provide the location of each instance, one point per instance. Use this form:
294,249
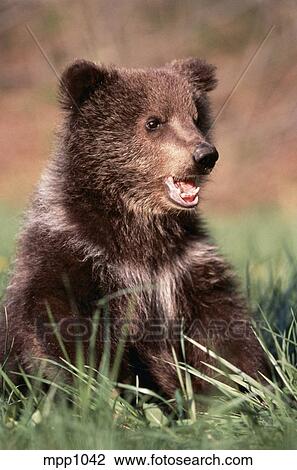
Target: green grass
263,248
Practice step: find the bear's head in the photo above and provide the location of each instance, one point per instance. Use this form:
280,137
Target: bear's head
138,138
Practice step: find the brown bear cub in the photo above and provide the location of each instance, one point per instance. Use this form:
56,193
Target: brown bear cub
114,234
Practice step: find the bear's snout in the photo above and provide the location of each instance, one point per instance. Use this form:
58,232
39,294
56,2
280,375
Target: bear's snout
205,157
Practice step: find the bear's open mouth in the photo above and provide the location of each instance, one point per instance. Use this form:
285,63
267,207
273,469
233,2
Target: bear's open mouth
183,192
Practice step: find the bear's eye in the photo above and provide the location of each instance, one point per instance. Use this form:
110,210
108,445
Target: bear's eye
153,123
196,119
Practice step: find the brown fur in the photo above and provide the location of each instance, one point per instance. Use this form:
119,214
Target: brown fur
102,227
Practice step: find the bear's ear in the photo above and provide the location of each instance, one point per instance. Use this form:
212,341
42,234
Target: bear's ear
201,74
78,82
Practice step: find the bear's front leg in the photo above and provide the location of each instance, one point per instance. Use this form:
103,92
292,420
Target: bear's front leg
218,319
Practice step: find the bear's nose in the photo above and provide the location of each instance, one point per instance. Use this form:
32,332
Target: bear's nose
205,156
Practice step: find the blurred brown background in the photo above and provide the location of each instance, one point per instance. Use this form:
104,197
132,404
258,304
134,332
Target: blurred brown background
256,132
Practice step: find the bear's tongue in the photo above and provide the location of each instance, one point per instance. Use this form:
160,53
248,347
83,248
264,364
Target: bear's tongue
188,190
183,192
